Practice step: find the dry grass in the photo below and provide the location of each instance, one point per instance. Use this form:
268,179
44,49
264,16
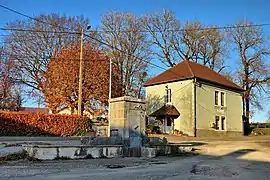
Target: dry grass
260,131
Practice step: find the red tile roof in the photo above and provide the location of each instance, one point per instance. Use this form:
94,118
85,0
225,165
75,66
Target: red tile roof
166,110
188,69
33,110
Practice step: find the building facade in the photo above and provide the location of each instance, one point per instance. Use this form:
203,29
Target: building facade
208,103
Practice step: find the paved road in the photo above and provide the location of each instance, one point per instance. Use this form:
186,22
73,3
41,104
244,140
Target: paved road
235,159
198,167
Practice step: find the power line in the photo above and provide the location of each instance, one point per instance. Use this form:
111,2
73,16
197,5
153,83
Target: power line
32,18
72,33
175,30
169,30
38,31
112,47
12,10
104,43
78,33
31,36
50,58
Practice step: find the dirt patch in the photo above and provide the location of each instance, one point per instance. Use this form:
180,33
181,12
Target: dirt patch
264,144
14,156
23,155
206,170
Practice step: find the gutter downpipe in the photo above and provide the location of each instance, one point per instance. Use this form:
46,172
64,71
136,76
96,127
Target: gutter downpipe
195,107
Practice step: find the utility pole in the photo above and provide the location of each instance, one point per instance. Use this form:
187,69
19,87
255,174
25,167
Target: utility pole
110,88
80,76
110,96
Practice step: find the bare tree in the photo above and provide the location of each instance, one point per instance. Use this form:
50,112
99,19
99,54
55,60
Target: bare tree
202,44
190,41
253,72
32,49
10,91
131,52
164,32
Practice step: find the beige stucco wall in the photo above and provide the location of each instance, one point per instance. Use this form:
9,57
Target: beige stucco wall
181,98
207,110
67,111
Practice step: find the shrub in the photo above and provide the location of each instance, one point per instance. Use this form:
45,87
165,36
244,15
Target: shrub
27,124
153,129
260,131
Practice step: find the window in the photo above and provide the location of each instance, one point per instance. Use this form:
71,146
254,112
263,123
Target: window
222,98
217,122
222,123
168,96
216,97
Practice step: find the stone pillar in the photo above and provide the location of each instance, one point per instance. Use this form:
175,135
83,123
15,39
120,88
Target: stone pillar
127,119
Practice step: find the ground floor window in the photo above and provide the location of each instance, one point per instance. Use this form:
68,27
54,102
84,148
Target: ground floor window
220,122
217,122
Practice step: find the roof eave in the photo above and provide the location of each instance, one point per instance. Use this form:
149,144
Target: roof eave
169,81
230,87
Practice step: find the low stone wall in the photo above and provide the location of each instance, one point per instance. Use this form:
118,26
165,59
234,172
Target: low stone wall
213,133
48,152
73,152
96,140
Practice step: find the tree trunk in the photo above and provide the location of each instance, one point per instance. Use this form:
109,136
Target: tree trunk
83,107
247,103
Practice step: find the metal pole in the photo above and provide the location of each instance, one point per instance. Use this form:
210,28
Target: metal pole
110,96
80,76
110,88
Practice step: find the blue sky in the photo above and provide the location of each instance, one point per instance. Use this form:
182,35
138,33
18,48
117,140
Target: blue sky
209,12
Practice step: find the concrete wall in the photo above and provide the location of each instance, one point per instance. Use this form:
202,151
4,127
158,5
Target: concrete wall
182,99
127,116
207,110
73,152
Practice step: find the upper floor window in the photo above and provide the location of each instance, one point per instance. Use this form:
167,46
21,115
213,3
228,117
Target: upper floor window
216,97
222,98
219,98
168,98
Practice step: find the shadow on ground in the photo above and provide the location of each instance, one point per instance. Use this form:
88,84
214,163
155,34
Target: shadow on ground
189,144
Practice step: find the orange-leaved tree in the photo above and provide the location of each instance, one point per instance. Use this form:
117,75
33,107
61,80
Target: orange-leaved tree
62,79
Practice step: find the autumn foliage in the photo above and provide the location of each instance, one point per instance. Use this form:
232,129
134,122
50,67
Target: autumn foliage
27,124
62,78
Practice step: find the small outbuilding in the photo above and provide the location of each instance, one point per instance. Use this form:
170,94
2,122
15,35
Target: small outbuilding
167,114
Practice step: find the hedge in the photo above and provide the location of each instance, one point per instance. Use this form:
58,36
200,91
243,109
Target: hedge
27,124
